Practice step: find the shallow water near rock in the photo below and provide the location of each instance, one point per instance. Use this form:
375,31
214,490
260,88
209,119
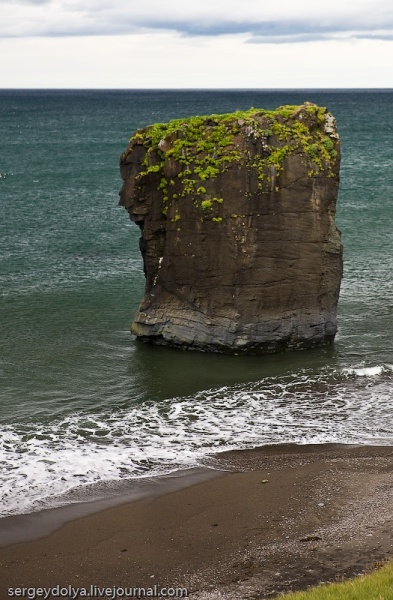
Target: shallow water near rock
82,402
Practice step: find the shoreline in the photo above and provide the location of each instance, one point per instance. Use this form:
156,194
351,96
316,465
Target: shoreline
19,528
264,521
16,529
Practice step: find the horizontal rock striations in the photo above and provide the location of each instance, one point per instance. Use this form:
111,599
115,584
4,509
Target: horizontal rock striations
239,242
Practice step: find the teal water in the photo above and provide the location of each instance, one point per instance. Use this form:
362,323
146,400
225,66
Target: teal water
82,402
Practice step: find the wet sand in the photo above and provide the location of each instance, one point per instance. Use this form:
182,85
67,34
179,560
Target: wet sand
274,519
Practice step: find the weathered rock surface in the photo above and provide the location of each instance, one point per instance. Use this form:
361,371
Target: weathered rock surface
239,242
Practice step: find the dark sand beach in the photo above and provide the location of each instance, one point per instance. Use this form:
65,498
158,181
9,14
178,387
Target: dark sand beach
274,519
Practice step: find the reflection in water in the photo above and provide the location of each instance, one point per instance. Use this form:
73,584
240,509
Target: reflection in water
165,372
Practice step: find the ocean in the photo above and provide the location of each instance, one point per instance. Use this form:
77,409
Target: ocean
84,408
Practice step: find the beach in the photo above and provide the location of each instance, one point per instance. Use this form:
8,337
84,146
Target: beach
262,522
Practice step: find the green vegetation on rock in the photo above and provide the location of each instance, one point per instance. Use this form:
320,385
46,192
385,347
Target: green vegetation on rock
196,150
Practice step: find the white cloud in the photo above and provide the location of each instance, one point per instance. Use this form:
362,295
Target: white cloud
167,61
206,44
282,20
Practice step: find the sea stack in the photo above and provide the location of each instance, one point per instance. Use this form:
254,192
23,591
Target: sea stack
237,215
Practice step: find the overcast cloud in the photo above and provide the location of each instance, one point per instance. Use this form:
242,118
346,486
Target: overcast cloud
263,21
199,44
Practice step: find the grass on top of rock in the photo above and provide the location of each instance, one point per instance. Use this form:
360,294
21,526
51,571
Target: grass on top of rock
378,585
203,147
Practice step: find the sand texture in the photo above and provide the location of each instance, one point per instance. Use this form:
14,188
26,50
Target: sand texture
279,518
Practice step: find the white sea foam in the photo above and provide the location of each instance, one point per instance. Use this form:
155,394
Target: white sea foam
46,465
368,371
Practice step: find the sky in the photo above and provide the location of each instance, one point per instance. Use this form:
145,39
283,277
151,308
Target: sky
169,44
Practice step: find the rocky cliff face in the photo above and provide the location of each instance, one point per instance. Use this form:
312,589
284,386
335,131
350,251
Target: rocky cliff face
239,243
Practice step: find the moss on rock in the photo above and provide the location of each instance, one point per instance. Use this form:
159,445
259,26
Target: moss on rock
187,153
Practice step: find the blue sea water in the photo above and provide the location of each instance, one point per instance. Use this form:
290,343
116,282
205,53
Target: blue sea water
80,401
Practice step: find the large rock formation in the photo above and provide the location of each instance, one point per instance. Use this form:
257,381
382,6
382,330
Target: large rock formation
239,243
